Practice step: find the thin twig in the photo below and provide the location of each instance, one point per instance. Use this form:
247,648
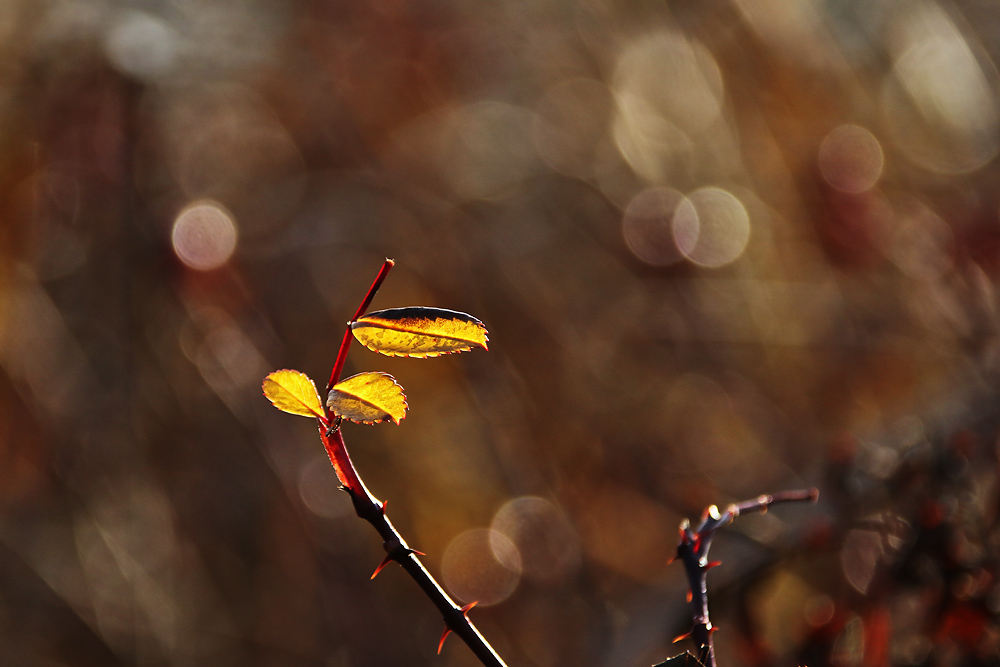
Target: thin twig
345,344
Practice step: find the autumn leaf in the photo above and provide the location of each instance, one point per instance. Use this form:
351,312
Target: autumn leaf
294,392
419,331
368,398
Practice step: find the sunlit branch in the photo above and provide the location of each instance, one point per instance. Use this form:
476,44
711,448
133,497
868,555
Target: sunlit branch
693,552
373,511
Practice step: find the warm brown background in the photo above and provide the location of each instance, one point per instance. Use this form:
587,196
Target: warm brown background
834,323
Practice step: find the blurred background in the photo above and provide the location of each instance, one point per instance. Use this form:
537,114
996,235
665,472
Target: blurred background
722,248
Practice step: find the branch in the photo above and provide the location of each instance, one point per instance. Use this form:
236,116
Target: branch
693,551
372,510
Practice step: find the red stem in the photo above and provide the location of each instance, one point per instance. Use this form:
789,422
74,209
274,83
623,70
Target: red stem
345,344
333,441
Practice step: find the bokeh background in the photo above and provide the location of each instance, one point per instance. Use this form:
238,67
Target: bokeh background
723,248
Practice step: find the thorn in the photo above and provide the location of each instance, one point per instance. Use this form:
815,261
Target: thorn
447,630
690,595
714,563
385,561
680,637
385,503
419,553
444,635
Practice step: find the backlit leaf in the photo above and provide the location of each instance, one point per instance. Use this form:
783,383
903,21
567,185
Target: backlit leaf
368,398
293,391
418,331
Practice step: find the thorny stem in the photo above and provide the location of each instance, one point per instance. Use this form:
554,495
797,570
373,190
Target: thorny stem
372,510
693,551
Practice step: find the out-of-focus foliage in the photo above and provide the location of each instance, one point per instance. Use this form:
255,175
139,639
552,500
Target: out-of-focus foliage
368,398
294,392
722,248
419,332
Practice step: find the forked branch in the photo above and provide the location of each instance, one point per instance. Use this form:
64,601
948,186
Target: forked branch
693,552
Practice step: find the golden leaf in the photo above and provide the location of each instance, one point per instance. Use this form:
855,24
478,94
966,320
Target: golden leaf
367,398
419,331
294,392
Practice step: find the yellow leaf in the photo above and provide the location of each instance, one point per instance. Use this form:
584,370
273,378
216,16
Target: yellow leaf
368,398
419,331
292,391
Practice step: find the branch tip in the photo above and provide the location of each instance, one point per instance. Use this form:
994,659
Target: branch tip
345,344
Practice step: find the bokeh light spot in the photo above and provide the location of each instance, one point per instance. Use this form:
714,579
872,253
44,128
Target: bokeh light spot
648,226
141,44
860,556
819,610
481,566
319,490
711,227
548,545
204,236
922,243
850,159
652,70
849,649
939,100
653,126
